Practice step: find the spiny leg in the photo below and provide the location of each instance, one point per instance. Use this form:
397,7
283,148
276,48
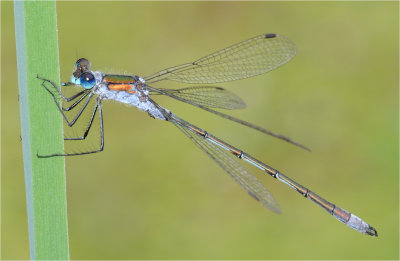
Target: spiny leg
85,93
59,90
70,124
67,83
99,107
87,128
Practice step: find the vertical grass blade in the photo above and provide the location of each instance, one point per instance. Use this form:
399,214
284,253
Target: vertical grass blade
41,129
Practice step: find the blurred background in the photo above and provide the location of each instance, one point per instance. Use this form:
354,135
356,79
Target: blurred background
152,194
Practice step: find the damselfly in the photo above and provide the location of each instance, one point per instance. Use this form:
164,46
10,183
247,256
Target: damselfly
246,59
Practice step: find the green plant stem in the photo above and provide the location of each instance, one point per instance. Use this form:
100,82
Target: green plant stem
41,129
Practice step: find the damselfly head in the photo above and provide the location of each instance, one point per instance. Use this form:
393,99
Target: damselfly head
82,66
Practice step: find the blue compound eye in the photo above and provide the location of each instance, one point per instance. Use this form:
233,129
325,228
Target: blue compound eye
75,80
87,80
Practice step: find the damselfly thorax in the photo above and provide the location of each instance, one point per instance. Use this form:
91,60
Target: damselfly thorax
126,89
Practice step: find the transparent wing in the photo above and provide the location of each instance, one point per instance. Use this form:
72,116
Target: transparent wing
232,167
245,59
208,96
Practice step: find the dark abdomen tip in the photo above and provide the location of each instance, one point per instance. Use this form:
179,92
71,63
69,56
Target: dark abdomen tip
270,35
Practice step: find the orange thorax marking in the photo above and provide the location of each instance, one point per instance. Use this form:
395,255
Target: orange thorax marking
120,83
122,87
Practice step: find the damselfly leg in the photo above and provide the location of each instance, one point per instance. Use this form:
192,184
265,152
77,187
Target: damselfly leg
79,97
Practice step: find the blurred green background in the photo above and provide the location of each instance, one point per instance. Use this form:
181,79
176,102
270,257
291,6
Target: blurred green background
152,194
